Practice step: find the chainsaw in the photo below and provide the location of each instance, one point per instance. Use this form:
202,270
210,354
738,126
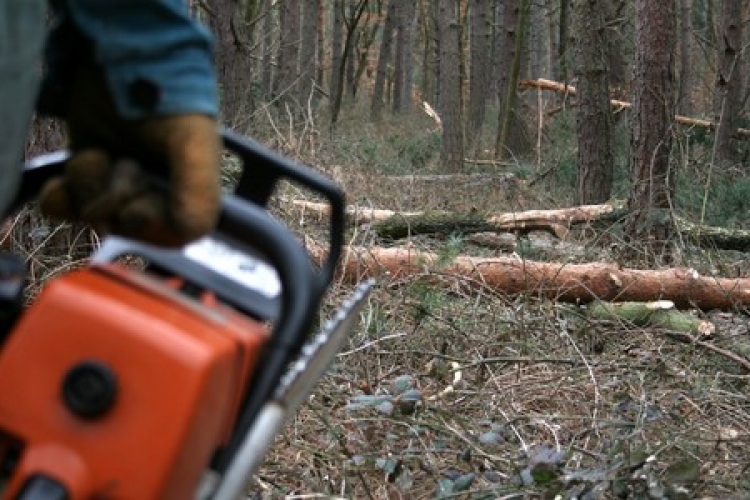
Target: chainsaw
170,380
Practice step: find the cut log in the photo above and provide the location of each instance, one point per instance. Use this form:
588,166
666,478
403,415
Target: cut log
395,225
661,314
577,283
571,90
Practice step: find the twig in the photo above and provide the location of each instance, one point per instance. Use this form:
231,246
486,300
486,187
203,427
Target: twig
689,339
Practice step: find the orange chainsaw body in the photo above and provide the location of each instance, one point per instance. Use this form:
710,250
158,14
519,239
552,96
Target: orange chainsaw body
170,371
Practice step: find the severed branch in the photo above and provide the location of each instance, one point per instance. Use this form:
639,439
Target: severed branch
571,90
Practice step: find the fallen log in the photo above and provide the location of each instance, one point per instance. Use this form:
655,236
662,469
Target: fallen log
576,283
395,225
660,313
558,87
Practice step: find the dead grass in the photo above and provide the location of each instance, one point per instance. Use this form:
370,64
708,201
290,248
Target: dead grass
518,397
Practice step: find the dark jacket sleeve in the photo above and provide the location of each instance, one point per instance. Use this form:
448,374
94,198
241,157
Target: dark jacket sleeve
156,59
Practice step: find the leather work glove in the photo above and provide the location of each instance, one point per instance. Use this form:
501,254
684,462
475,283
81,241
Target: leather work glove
109,179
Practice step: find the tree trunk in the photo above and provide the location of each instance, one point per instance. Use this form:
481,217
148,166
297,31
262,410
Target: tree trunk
321,45
289,51
511,134
687,73
562,55
233,63
650,221
267,59
449,62
337,51
340,77
506,46
480,47
594,117
308,52
384,60
576,283
729,81
402,77
537,35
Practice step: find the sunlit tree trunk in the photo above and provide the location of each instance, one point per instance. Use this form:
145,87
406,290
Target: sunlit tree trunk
653,110
449,62
728,91
594,117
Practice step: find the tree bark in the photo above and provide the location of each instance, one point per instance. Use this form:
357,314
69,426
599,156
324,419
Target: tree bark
480,48
594,117
449,62
233,63
403,67
576,283
729,81
511,133
289,52
687,43
352,24
385,55
308,52
650,221
267,59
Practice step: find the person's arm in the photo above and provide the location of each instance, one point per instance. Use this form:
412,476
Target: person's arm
155,58
134,81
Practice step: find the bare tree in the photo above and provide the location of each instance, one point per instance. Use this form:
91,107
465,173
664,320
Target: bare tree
650,221
594,119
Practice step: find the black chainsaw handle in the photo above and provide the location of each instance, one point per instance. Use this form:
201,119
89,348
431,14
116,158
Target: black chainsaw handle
264,168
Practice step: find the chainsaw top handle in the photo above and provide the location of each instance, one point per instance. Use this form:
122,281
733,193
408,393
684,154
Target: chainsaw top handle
262,170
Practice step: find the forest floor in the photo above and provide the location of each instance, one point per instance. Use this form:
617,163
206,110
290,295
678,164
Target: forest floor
447,393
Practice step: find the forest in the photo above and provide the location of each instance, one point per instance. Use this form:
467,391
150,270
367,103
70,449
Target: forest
552,196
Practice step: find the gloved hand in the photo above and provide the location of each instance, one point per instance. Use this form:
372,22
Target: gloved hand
106,182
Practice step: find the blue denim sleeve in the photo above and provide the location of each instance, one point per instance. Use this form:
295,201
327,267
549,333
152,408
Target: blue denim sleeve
156,59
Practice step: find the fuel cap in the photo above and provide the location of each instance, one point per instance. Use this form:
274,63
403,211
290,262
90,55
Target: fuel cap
89,389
